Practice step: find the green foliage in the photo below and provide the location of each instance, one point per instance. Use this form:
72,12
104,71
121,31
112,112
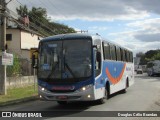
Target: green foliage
39,19
18,93
22,10
143,60
15,69
157,56
150,56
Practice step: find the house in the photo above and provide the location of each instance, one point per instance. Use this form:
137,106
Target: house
19,41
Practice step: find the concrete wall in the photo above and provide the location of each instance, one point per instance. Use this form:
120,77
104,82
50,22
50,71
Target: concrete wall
20,81
28,40
14,44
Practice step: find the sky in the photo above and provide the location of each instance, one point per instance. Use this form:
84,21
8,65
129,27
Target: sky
133,24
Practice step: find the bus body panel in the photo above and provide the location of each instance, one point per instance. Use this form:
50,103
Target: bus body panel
118,74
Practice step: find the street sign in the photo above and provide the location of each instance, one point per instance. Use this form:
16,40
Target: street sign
7,59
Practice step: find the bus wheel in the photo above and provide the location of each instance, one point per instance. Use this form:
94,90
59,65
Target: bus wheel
62,102
127,85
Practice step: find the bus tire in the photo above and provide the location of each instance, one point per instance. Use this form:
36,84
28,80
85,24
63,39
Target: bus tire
62,102
127,85
107,90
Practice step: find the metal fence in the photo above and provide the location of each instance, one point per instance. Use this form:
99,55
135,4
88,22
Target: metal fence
21,67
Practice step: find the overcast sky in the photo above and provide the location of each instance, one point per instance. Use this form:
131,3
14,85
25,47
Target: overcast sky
134,24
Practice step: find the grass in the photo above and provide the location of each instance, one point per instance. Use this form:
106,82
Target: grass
18,93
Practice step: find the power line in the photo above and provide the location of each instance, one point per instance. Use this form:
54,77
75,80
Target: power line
43,24
42,3
33,17
11,18
58,9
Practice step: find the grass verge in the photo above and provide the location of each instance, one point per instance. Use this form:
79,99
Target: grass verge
18,93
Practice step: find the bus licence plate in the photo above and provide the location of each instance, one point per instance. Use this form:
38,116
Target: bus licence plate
62,97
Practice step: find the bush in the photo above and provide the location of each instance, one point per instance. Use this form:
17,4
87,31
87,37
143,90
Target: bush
15,69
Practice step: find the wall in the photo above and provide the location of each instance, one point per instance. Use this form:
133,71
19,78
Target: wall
14,44
20,81
28,40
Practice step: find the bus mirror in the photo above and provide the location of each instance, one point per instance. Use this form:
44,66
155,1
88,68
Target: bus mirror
98,56
94,46
34,64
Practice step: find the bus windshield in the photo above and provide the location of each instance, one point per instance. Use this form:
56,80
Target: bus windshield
67,59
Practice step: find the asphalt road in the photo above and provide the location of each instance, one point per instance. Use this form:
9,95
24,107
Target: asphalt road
142,96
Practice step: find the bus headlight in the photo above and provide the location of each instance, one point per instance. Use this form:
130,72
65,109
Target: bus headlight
84,88
43,89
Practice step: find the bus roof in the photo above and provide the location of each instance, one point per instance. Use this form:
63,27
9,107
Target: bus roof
67,37
72,36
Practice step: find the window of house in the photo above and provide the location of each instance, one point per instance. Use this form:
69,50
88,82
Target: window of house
8,37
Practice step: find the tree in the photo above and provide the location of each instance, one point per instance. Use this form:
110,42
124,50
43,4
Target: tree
156,56
22,10
143,60
151,53
149,56
38,19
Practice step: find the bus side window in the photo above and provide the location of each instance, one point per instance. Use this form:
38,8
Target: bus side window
98,58
113,52
126,58
122,56
118,51
106,51
131,56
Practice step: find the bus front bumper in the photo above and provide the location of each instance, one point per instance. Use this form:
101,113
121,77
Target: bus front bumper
84,95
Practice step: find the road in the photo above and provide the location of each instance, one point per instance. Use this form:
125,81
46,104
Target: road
144,95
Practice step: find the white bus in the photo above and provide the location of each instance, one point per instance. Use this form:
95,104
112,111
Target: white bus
82,67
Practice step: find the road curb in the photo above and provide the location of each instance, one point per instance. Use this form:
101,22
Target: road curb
12,102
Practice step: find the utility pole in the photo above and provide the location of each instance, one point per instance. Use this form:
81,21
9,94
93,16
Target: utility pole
3,89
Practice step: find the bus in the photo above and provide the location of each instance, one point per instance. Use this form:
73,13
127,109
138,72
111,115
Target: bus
82,67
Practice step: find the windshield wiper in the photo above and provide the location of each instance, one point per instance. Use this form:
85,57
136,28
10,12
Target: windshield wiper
70,70
53,70
67,66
